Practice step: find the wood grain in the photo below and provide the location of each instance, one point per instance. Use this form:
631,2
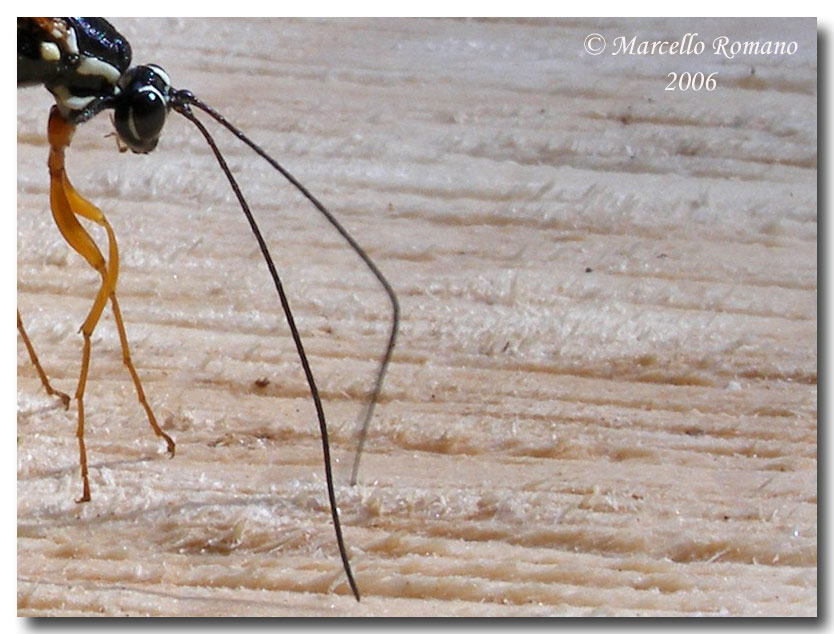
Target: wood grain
604,397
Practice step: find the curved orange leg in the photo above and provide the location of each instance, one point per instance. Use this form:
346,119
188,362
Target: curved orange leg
67,205
65,399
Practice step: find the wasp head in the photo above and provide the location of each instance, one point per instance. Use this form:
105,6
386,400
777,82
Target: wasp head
141,106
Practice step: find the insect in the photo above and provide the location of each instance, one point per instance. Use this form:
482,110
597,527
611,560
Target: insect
86,64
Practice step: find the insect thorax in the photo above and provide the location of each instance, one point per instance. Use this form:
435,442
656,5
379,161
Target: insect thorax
79,60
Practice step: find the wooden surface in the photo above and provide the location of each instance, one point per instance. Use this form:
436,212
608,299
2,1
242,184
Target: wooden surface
604,397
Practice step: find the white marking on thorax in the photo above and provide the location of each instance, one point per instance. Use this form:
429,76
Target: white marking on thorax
50,52
71,44
69,102
98,68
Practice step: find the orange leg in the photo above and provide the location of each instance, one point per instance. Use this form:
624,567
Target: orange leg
65,399
67,206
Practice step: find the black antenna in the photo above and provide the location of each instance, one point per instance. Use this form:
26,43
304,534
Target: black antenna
181,104
180,99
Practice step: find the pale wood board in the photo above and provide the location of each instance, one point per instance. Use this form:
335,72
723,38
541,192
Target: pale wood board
604,397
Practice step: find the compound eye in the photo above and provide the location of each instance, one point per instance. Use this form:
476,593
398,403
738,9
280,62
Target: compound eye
139,118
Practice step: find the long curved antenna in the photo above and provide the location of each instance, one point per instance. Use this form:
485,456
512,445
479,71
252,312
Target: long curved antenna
184,110
187,97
